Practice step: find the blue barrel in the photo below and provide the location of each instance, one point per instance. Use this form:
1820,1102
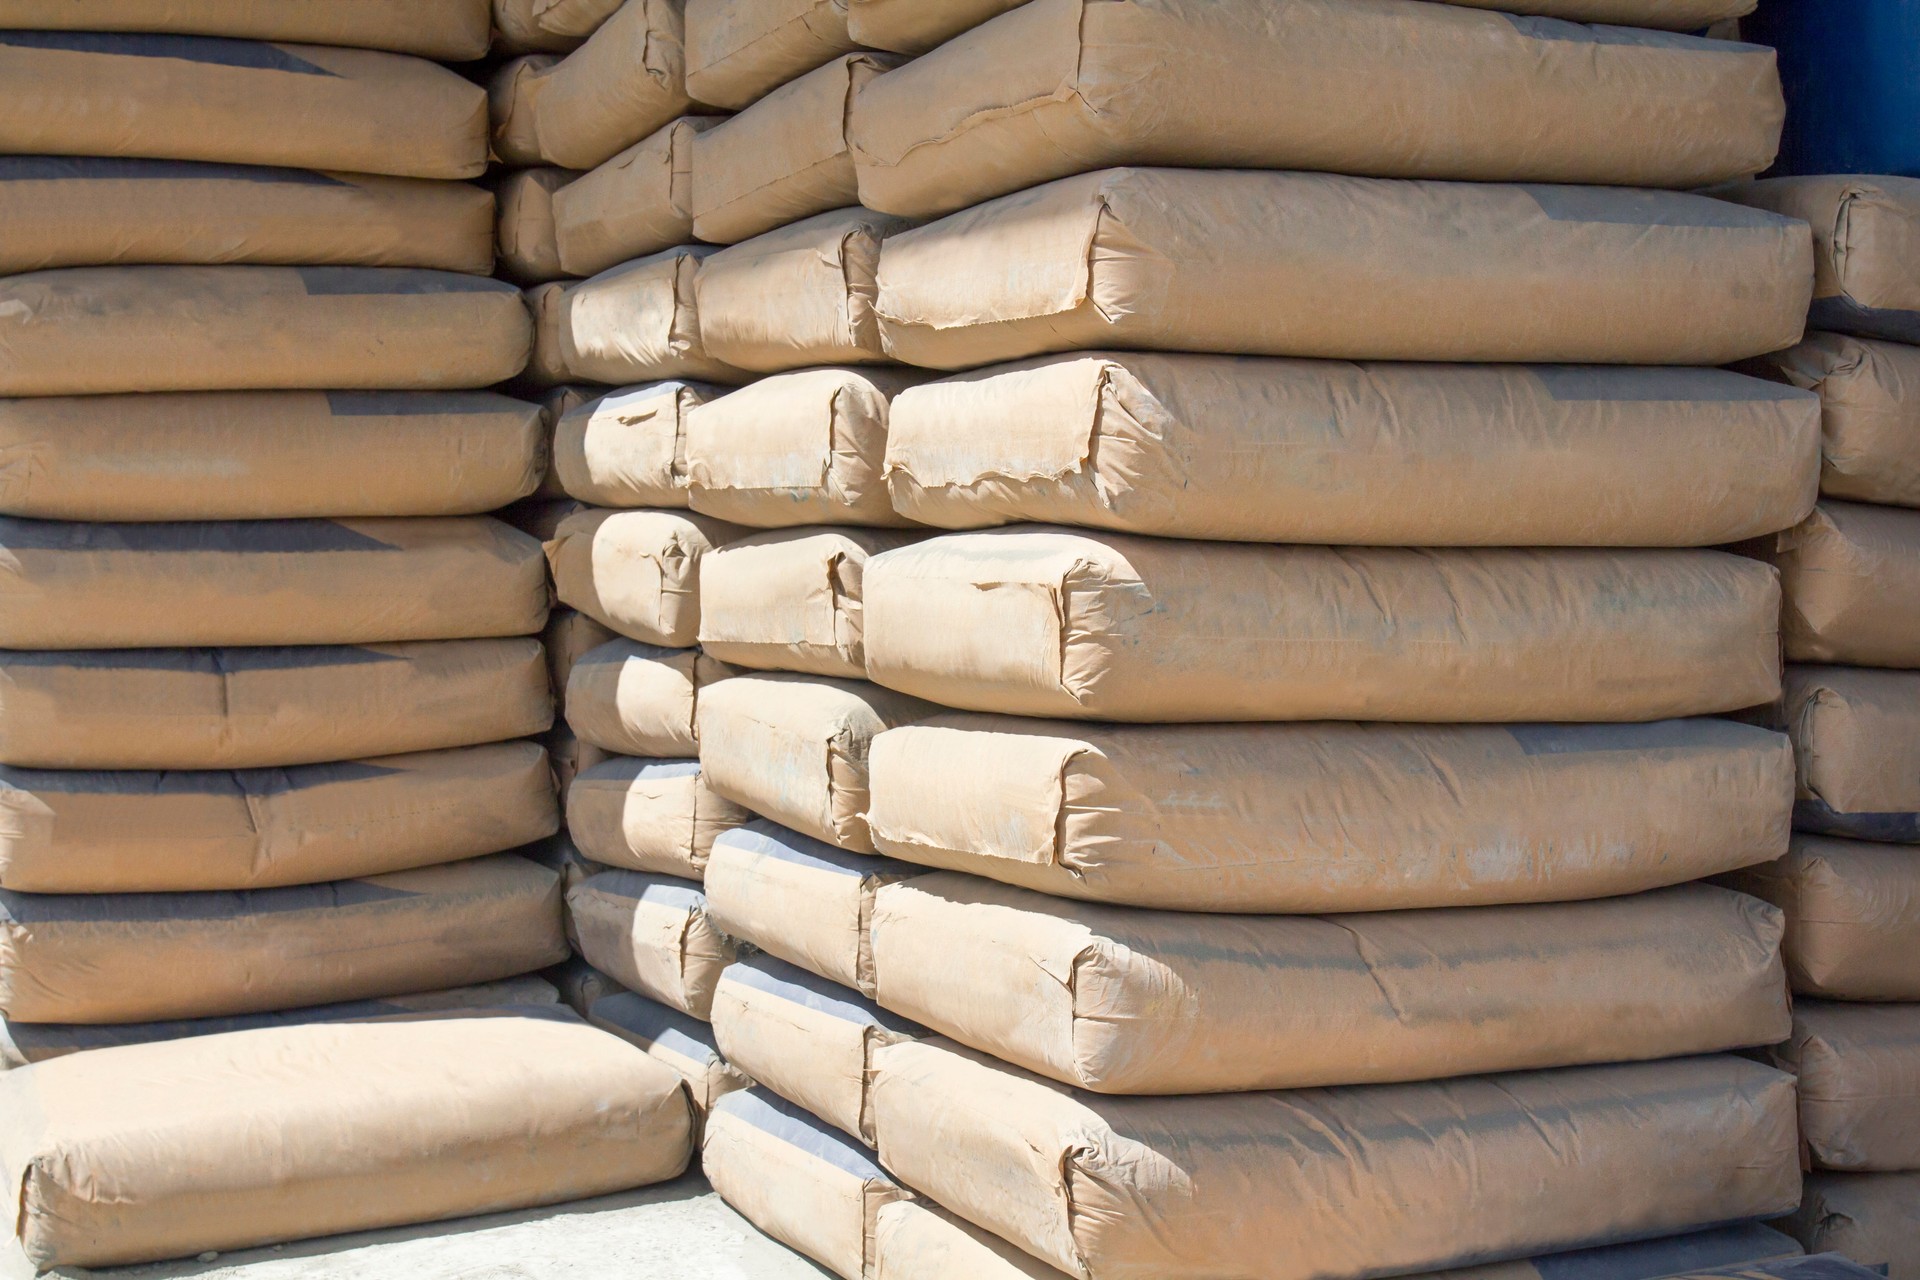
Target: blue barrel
1852,74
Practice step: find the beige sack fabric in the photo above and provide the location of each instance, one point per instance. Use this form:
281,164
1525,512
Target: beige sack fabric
138,957
1370,1180
248,455
1671,15
1859,1070
529,253
184,97
549,26
546,362
794,749
569,755
651,934
629,447
570,636
555,403
78,211
281,582
1357,268
637,572
94,330
1870,413
157,1151
1851,578
797,448
1856,735
1853,916
638,699
450,30
71,831
915,26
809,1040
648,815
785,157
637,203
794,897
1196,446
1154,1002
1326,817
799,296
916,1240
265,707
560,855
739,50
1388,88
808,1186
579,983
1873,1219
638,323
1866,238
789,600
1054,622
674,1040
627,80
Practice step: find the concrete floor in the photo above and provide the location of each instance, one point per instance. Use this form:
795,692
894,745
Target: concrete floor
676,1231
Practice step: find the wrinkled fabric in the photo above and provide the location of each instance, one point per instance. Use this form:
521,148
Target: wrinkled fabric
1869,413
636,572
1853,916
1866,241
628,448
1859,1070
450,30
1873,1219
651,934
640,699
648,815
638,322
524,230
637,203
1856,736
1850,575
740,50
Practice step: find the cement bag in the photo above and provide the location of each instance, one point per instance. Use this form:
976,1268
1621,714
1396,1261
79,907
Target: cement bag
72,831
185,97
1866,240
1687,1254
790,600
280,582
916,26
1146,1002
529,252
1856,735
794,749
1872,1218
807,1185
555,403
1053,622
917,1240
561,856
672,1039
66,211
162,1150
1671,15
569,755
253,455
627,80
1389,88
637,323
29,1042
649,815
546,365
739,50
1869,413
88,330
250,708
1853,916
133,957
570,636
450,30
1358,268
796,898
629,448
797,448
1194,446
805,1038
579,983
799,296
1360,1181
1851,578
652,935
785,157
639,699
1324,817
548,26
637,203
1859,1069
637,572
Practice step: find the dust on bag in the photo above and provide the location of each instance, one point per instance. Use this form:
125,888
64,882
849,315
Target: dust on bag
1859,1071
639,699
138,957
628,448
450,30
674,1040
1323,817
1358,269
1853,916
529,250
637,203
739,50
95,330
651,934
1873,1218
637,572
1856,736
648,815
638,322
1869,413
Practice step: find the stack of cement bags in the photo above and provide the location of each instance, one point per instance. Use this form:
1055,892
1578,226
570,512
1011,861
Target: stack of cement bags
1260,838
1851,574
267,673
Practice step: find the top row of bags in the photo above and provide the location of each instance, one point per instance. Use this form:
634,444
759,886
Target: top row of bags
1044,91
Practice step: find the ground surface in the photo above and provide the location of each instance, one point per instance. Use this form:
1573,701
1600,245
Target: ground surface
677,1231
